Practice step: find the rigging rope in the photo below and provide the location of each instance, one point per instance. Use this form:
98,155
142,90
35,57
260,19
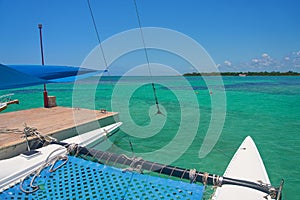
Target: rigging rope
147,57
98,36
145,51
100,44
192,175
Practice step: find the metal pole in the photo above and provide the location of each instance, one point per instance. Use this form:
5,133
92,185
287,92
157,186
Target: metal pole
42,53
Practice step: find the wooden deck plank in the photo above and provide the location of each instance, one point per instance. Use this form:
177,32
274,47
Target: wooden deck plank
46,120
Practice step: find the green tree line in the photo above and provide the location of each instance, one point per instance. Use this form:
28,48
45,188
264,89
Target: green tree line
265,73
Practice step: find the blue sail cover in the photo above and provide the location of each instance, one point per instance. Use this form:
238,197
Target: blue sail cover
16,76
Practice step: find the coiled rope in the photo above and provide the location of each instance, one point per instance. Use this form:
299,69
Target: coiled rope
47,163
32,131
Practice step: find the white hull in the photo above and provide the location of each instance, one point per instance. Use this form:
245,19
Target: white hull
246,164
92,136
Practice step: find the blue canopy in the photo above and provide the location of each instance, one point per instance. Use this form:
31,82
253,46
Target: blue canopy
16,76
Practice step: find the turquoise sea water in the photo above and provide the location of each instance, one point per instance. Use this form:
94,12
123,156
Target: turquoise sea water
266,108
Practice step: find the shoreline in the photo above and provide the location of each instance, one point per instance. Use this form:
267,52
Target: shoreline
243,74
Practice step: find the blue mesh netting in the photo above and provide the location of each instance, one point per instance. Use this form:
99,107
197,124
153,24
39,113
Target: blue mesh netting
82,179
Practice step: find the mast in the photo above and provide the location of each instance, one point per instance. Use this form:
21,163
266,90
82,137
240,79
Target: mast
42,53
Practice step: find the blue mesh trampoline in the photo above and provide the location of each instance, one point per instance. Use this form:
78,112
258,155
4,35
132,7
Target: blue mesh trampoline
82,179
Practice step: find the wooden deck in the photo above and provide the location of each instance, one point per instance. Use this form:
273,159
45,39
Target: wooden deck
48,121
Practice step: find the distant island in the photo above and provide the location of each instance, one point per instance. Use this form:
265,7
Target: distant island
273,73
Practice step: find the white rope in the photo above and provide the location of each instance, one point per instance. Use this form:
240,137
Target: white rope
46,163
32,131
192,175
133,167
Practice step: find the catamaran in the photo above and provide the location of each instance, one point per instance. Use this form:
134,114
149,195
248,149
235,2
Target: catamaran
64,170
70,169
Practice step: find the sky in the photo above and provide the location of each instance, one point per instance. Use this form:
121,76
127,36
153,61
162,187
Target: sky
239,35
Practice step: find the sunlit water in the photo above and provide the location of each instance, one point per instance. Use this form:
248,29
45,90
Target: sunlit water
266,108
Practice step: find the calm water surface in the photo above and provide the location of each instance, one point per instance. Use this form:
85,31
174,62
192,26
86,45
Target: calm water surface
266,108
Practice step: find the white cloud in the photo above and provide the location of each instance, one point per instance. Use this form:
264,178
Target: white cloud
228,63
265,56
265,63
